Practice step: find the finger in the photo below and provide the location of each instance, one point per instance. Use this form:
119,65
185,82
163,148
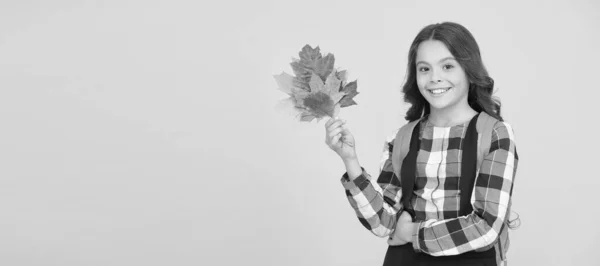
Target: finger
335,140
335,132
337,123
346,131
329,122
330,138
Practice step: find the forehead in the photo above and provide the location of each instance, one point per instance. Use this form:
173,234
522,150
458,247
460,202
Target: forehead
431,51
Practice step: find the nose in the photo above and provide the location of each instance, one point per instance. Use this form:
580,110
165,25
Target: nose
435,78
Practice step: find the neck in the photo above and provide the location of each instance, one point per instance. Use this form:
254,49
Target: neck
451,115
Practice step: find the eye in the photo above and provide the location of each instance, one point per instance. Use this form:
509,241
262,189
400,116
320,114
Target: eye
422,69
448,66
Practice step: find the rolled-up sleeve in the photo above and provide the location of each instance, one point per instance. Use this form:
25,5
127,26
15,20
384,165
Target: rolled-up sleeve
377,204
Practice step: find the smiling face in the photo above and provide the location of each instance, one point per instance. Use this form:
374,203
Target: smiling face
440,78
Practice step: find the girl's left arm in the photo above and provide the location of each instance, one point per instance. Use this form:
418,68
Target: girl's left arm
491,200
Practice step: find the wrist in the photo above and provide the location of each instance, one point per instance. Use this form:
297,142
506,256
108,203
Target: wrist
350,161
414,234
353,168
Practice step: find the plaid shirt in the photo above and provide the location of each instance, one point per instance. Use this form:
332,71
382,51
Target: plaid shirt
436,195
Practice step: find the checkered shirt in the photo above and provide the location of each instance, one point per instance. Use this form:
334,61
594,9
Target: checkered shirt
436,195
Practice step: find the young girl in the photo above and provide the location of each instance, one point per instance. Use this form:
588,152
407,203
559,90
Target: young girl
448,89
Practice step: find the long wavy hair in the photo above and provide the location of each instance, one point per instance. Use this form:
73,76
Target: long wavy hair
464,48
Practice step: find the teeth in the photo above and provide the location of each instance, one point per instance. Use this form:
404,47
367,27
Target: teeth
438,91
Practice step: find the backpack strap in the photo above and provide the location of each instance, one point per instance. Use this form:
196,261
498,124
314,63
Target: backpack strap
485,126
408,171
402,145
404,160
469,164
477,144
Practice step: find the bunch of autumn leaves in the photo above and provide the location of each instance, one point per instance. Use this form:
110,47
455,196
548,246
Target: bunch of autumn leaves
318,90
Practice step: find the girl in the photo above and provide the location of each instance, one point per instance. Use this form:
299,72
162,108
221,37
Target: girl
448,89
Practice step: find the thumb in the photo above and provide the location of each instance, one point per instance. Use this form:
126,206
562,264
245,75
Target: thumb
345,128
346,131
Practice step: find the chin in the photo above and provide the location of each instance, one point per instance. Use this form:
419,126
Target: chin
438,107
436,104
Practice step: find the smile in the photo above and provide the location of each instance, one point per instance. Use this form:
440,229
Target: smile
439,91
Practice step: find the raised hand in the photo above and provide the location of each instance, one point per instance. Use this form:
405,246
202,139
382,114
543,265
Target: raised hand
339,139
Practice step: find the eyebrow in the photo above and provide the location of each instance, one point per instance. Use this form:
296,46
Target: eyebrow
441,60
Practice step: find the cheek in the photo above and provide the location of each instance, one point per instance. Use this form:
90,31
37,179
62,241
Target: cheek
421,80
463,88
460,77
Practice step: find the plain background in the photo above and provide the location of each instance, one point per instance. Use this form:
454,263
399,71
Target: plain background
145,132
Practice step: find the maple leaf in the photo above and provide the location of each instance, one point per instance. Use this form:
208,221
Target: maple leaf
350,87
320,104
319,101
306,116
310,54
324,66
302,73
288,106
311,61
324,97
299,95
317,90
285,82
332,85
341,75
350,91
